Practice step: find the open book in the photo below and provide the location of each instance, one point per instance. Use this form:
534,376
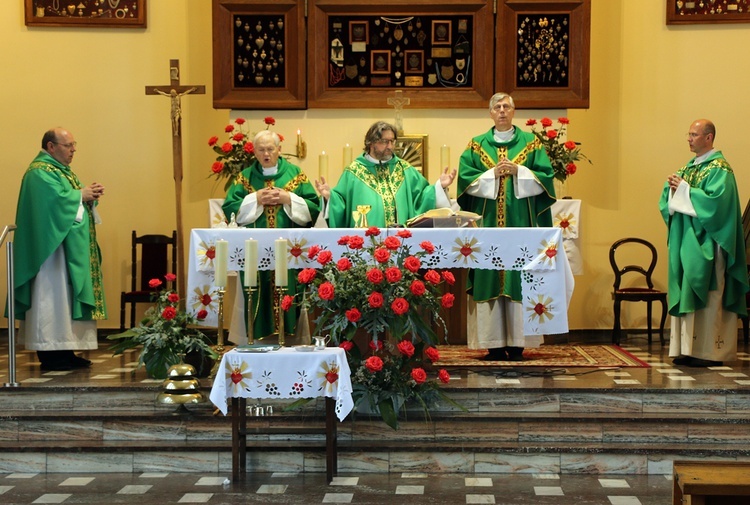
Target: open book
444,218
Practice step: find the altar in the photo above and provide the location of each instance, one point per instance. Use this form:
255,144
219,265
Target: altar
547,282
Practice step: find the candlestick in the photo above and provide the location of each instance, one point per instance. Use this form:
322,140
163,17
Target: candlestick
282,274
249,292
219,347
445,157
347,155
251,263
220,262
282,334
301,146
323,165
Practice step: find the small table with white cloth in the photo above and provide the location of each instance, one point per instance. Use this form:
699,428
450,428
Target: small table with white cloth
283,374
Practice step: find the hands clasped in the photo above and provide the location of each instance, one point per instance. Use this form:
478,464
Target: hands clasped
674,181
273,196
92,192
505,167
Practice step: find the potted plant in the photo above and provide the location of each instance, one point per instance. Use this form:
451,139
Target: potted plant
166,333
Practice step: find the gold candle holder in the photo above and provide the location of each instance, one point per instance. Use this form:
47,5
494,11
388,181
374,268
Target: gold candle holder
250,292
219,347
281,292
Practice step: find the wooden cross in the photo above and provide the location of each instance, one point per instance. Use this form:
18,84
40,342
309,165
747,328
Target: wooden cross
175,92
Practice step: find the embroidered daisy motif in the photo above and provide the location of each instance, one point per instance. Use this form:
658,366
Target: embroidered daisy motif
238,375
329,376
567,222
465,250
548,252
540,308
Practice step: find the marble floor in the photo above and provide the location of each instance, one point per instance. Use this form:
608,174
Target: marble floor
368,488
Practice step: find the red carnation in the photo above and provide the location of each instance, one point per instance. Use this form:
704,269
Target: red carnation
546,122
417,288
217,167
444,376
326,291
530,122
226,147
392,274
169,313
201,315
213,140
170,277
173,297
419,375
269,120
400,306
306,275
372,231
432,277
240,121
412,264
432,354
154,283
229,128
571,168
551,134
404,233
392,243
325,257
238,136
375,276
356,242
346,345
381,255
374,364
449,278
570,145
427,246
375,300
343,240
376,346
249,148
447,300
353,315
343,264
406,348
563,120
286,302
312,251
281,137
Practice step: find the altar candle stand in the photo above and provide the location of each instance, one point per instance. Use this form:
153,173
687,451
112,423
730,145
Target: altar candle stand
221,249
251,283
282,281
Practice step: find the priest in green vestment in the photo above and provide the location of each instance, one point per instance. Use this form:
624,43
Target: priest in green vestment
379,188
270,193
708,275
57,269
505,176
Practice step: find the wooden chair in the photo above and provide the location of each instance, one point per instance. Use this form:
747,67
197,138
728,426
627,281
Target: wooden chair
645,293
154,263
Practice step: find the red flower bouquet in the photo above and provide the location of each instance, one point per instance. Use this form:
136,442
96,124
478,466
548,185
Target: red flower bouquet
562,153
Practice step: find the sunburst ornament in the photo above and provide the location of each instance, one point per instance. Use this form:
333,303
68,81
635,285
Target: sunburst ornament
328,376
203,297
205,254
548,252
540,308
465,250
298,251
567,222
238,375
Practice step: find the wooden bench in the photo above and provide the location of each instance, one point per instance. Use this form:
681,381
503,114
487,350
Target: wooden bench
711,482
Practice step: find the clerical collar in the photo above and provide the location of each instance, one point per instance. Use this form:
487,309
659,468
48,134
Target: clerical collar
270,170
505,136
703,157
376,161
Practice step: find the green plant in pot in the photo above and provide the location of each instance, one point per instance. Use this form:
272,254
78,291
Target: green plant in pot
166,333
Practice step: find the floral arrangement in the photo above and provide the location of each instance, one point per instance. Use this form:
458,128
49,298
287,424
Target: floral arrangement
166,333
238,152
562,153
380,290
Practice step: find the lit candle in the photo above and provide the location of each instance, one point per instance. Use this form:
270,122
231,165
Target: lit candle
282,274
299,139
220,262
323,165
251,263
445,157
347,155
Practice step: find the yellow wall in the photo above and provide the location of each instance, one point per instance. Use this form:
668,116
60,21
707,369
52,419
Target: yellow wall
648,82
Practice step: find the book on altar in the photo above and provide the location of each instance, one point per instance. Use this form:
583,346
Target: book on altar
444,218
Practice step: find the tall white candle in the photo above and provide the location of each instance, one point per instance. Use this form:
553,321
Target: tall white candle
445,157
347,155
220,262
282,274
323,165
251,262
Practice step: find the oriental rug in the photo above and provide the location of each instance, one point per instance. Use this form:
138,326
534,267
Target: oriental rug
597,356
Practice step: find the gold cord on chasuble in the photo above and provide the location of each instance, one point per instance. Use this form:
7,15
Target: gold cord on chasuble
694,174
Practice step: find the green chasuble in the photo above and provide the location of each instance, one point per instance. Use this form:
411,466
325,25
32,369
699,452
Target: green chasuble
388,193
692,241
290,178
507,211
48,203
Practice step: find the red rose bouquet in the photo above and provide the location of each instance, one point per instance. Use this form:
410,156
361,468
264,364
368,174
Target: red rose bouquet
562,153
166,333
387,290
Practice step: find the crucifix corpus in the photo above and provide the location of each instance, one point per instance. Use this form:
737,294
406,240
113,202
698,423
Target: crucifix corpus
175,91
398,101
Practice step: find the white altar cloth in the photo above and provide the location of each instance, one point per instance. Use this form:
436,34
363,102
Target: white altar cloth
547,282
285,374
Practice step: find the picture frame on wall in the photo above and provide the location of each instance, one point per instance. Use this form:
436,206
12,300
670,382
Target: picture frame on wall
441,33
358,31
684,12
104,14
413,149
380,62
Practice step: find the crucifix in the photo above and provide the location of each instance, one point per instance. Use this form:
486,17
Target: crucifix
398,101
175,92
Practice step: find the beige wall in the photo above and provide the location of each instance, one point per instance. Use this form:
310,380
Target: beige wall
648,82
